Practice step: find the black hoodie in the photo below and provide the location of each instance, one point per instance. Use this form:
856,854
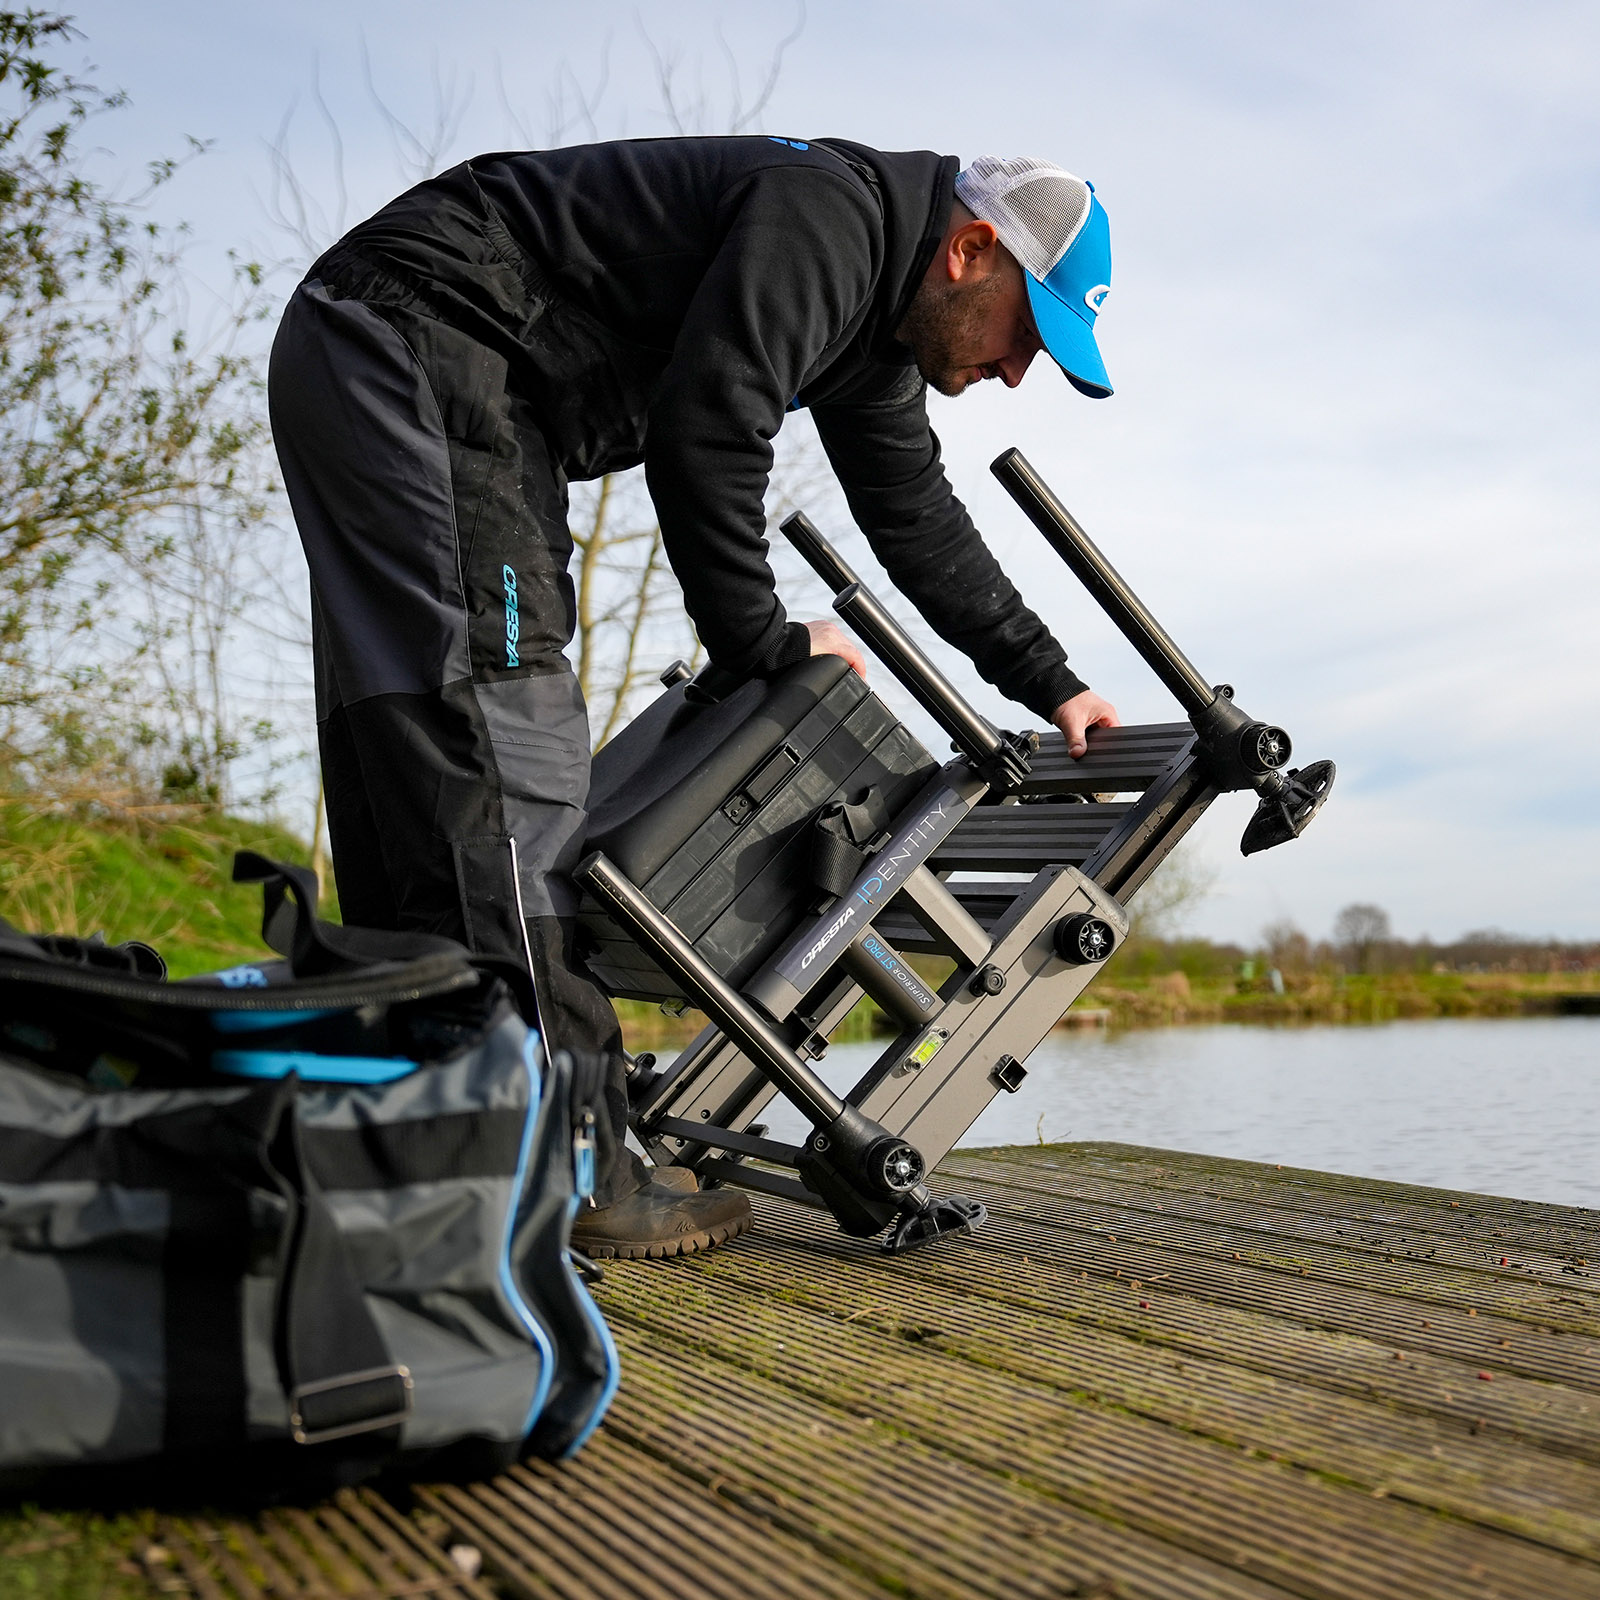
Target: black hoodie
702,287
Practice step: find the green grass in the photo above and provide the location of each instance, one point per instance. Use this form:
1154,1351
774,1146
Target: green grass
1131,997
1165,999
645,1026
167,883
74,1555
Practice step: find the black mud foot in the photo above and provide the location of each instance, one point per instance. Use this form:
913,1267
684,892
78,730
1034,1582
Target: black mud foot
952,1213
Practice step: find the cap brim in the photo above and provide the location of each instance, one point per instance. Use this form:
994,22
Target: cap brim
1070,341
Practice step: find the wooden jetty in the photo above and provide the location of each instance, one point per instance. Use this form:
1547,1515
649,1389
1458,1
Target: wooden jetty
1151,1375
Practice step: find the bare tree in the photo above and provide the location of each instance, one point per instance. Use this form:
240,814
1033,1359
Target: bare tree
1183,883
623,586
309,218
630,620
693,111
630,617
1286,947
1361,930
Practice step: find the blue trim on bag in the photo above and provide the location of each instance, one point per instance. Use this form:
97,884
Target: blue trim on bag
613,1361
311,1067
260,1021
245,977
508,1279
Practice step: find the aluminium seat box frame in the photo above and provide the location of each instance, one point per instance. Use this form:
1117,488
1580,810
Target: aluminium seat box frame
1012,860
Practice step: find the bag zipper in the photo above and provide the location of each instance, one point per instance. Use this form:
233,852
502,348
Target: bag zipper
418,980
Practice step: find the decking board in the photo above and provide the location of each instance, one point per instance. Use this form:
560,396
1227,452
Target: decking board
1151,1375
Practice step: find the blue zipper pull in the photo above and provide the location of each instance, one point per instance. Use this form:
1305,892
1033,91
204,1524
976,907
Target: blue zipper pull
583,1159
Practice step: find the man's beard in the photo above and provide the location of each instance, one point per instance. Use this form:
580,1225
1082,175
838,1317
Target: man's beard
944,327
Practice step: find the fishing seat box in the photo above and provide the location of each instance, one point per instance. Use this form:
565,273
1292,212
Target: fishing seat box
708,808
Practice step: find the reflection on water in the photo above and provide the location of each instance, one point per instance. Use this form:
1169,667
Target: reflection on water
1504,1107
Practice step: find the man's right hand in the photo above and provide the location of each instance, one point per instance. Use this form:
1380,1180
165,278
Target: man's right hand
829,639
1076,716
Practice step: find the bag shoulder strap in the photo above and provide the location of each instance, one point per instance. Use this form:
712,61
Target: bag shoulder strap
314,948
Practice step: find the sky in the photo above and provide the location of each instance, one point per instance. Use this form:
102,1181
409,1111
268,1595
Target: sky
1351,459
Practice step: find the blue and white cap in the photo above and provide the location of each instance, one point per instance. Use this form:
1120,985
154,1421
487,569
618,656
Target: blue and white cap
1056,228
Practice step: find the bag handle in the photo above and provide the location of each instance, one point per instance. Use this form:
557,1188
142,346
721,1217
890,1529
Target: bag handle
333,1366
333,1363
314,948
131,958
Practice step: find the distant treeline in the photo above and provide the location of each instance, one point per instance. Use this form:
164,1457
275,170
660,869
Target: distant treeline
1294,954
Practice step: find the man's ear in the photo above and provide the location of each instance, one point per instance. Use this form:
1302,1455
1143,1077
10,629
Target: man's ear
970,250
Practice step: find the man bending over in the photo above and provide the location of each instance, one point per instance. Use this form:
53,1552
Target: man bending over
528,319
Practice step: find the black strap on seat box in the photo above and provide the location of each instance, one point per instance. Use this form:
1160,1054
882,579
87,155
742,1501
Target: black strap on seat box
844,835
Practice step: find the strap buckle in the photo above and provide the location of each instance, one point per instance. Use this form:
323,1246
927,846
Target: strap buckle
336,1420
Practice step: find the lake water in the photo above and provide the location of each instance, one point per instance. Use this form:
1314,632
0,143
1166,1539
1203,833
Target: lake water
1507,1107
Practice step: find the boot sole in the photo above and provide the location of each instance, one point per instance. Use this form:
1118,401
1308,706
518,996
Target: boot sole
685,1244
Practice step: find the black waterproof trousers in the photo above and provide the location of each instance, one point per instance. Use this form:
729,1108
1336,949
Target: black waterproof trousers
453,735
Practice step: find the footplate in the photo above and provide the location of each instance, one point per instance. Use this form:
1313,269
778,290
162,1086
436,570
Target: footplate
942,1216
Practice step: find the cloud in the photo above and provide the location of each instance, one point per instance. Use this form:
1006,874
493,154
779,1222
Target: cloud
1351,459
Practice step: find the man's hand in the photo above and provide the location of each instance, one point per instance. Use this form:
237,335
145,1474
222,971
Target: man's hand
1082,712
828,639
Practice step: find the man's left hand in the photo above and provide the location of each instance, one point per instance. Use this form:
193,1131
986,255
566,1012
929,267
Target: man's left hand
1076,716
829,639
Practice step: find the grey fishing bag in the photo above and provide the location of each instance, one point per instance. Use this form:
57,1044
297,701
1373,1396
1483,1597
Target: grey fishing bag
291,1223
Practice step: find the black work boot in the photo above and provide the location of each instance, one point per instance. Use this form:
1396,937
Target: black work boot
656,1221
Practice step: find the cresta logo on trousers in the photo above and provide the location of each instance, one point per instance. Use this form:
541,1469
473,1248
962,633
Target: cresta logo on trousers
509,579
